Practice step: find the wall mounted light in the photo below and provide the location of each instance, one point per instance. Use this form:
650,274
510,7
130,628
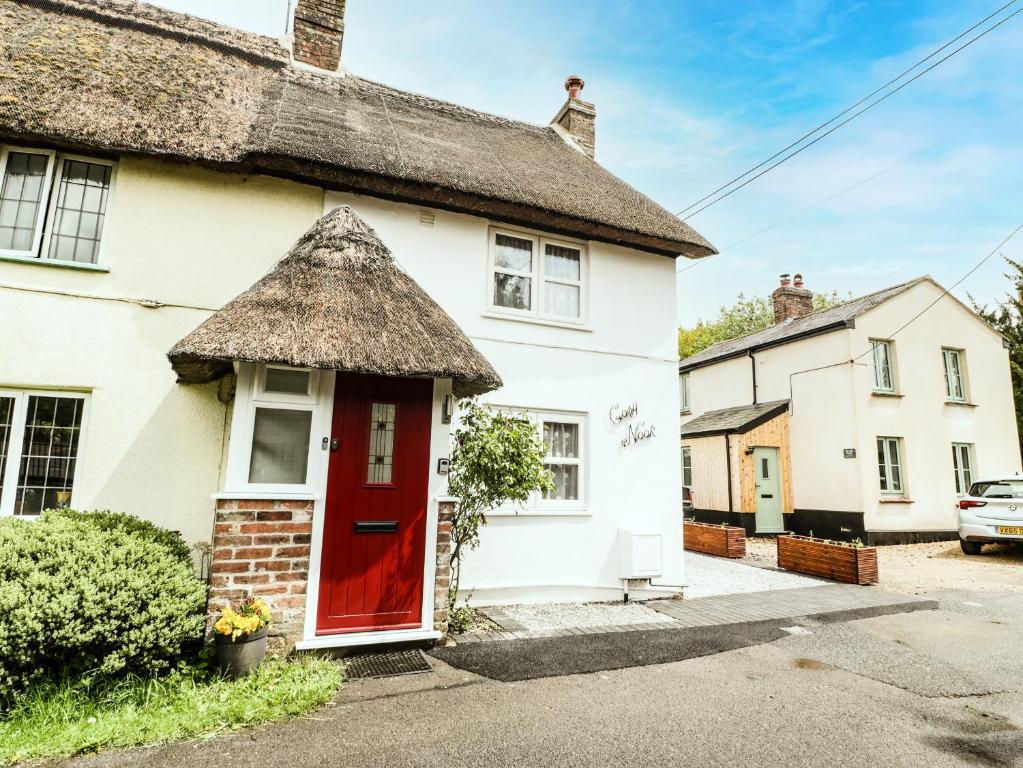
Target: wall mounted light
447,409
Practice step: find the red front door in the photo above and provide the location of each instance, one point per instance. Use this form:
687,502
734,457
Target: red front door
374,535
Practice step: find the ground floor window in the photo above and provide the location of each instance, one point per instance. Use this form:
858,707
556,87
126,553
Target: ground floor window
276,413
889,465
564,435
40,438
687,466
564,457
962,465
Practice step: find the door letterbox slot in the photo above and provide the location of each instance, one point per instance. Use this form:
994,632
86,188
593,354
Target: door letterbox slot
376,526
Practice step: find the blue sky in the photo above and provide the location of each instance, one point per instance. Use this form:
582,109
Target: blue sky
690,94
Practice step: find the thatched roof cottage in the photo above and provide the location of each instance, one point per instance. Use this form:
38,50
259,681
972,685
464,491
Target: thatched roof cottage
329,264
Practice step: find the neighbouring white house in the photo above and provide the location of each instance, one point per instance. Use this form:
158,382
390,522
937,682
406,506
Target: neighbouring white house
329,263
867,420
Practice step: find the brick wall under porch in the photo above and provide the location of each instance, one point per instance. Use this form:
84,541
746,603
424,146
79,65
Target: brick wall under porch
261,548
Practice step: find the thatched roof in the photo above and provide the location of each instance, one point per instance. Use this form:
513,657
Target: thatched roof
336,301
108,75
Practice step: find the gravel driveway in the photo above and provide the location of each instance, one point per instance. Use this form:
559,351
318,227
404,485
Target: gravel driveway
707,575
919,568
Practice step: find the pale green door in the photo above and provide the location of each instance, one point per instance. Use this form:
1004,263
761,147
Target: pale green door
768,491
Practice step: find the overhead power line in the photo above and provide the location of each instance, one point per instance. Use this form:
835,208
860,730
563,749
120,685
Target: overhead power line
785,155
854,185
945,292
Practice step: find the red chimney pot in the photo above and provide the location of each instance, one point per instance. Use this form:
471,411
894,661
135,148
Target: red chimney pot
798,281
785,280
574,84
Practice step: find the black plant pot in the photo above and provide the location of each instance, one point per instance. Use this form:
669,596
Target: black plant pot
238,658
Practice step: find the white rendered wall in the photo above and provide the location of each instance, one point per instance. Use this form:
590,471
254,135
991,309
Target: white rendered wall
627,353
176,235
824,418
922,418
835,409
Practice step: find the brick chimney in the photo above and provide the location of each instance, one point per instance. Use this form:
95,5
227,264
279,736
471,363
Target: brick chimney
578,118
318,29
791,299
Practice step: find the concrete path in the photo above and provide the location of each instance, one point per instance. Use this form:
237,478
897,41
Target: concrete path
814,601
841,600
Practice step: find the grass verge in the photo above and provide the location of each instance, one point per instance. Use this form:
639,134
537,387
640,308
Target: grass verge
58,720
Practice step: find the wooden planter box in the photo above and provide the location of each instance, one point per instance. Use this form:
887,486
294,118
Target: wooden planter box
722,540
853,565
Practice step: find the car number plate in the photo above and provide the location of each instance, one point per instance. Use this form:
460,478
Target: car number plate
1011,530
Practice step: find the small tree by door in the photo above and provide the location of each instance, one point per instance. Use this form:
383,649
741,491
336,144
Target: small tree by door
496,458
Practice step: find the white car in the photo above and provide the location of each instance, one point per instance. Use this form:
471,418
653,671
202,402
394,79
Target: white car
991,511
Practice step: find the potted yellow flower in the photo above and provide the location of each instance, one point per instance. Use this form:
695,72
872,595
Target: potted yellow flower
241,637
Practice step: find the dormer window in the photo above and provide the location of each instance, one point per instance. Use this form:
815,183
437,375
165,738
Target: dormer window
537,277
52,206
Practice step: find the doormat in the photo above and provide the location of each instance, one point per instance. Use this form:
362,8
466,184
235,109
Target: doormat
364,666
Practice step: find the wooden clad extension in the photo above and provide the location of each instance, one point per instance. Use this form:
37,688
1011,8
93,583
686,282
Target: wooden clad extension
770,434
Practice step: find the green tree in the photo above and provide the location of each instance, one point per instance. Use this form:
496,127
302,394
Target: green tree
746,316
1007,318
496,457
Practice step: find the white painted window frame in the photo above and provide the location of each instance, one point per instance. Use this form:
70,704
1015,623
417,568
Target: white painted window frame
949,354
538,277
876,345
685,382
44,229
963,475
250,394
687,465
44,206
899,462
537,505
57,177
17,439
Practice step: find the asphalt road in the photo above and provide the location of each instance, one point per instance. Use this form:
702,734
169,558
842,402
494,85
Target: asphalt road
931,688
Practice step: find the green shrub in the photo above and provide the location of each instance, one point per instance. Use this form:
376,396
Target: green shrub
136,526
87,595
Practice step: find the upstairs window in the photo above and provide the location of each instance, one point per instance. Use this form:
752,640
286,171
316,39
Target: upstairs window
52,206
884,371
537,276
955,378
684,386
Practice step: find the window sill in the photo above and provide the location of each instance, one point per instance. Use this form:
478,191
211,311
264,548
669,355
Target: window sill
877,393
961,403
686,412
54,263
265,496
540,513
895,500
538,321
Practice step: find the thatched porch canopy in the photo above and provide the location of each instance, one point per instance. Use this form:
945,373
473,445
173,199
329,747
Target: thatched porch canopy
336,301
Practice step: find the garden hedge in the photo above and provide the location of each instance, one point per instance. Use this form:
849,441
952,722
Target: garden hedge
92,593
